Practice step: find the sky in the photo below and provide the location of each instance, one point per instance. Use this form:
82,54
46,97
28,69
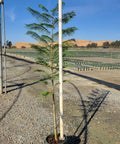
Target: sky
95,19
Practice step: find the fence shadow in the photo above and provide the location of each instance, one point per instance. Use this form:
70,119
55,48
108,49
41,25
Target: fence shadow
111,85
89,108
20,59
23,85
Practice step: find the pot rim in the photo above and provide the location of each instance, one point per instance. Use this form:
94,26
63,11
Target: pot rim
65,138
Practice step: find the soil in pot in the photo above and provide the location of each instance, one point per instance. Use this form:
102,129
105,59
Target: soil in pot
51,140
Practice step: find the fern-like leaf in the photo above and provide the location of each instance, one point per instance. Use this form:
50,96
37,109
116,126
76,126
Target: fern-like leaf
36,36
38,27
43,8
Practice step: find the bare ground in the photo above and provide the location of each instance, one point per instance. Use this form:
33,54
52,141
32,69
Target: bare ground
91,106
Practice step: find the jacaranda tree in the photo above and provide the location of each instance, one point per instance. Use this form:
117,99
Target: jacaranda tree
45,31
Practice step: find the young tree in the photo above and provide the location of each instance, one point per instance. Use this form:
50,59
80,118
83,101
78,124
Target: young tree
46,31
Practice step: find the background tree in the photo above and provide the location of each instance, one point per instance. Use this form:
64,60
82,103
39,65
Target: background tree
46,31
89,45
8,43
106,45
112,44
116,44
92,45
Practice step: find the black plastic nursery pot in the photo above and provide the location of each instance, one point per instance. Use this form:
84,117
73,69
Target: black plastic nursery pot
51,139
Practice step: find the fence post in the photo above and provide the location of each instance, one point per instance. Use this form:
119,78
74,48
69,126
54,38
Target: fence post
1,67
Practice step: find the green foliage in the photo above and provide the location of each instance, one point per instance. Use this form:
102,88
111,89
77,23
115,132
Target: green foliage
45,31
106,45
115,44
46,93
45,82
102,54
47,20
88,46
8,43
92,45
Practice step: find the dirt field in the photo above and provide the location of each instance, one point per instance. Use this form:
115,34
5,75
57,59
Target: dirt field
91,106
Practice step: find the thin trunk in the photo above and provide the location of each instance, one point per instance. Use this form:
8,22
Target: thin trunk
54,112
53,91
53,99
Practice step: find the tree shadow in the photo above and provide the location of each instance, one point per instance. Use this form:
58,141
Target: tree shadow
23,86
13,103
89,108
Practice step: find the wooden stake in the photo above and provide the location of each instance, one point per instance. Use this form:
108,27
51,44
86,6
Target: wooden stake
60,70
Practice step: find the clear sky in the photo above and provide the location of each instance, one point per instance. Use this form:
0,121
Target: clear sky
96,19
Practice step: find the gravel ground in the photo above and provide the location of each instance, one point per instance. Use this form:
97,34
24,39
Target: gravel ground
26,120
23,119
